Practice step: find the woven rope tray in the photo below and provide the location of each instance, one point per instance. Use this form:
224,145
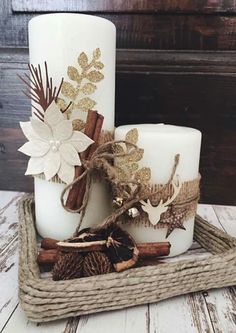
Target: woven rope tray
45,300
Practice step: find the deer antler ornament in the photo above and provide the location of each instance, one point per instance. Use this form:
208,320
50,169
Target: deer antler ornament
154,212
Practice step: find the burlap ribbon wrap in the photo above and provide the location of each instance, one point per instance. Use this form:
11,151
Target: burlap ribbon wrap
186,202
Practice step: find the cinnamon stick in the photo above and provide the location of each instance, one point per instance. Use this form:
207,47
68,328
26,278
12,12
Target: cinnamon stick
96,135
146,250
49,243
89,131
91,150
47,257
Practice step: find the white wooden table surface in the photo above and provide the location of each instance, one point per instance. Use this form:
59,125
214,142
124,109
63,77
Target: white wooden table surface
206,312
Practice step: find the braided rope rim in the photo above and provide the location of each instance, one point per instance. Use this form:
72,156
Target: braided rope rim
46,300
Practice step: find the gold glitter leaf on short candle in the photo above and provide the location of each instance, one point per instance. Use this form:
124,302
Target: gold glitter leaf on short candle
95,76
122,175
127,166
135,156
133,167
132,136
118,149
143,175
83,60
73,73
88,88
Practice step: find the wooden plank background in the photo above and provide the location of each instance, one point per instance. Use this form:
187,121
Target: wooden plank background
176,63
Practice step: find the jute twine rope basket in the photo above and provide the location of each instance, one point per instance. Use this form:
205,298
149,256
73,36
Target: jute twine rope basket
45,300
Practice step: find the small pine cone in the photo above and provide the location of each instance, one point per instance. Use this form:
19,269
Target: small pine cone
68,266
96,263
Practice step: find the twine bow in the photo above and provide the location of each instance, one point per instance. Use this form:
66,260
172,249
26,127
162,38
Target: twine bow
101,159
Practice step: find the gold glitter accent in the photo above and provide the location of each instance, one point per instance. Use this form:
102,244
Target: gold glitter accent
86,104
99,65
135,156
95,76
143,175
88,88
68,90
78,125
132,136
83,60
84,79
96,54
73,73
127,166
61,104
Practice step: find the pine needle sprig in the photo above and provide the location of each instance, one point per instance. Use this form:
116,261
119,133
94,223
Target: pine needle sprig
40,95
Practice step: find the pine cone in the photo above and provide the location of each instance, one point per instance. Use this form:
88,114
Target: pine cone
68,266
96,263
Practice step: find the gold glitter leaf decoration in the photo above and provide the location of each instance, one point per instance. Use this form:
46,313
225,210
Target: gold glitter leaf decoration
61,104
136,156
68,90
78,125
83,83
73,73
88,88
132,136
96,54
83,60
98,65
118,149
143,175
86,104
95,76
127,167
132,167
121,174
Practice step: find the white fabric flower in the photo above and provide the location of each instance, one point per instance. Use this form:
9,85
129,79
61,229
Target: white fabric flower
53,145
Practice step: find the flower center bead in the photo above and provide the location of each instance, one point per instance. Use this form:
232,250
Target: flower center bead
55,144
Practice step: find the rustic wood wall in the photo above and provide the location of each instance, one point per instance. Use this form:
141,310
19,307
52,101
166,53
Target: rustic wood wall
176,63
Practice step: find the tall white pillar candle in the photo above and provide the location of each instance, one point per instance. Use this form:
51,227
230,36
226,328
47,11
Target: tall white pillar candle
161,143
59,39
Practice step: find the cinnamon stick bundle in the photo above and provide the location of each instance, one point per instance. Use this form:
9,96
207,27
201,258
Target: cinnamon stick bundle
91,150
93,128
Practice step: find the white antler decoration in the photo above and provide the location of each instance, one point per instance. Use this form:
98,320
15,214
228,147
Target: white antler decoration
154,213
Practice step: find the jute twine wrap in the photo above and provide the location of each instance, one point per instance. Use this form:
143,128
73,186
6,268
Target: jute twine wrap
46,300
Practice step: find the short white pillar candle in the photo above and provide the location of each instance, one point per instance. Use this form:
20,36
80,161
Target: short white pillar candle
59,39
161,143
